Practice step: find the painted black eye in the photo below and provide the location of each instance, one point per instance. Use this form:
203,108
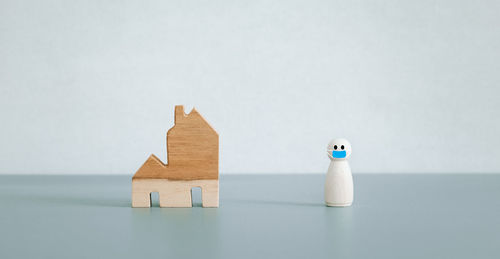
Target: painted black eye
342,147
335,147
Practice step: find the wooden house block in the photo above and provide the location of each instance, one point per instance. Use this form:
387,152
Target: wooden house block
193,161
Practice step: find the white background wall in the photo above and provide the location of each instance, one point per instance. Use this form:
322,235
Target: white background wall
90,86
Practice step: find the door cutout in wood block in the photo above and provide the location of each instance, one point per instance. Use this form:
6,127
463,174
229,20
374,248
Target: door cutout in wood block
196,196
154,199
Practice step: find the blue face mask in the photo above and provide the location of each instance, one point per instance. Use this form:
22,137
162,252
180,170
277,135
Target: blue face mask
338,154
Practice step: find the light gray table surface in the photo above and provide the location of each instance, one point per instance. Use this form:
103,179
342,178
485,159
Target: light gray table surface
260,216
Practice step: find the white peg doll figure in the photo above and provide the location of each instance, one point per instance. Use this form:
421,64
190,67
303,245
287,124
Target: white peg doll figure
338,184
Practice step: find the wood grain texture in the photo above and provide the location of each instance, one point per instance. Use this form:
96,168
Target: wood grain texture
193,161
174,194
192,151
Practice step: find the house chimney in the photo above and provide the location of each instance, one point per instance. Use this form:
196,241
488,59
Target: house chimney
179,113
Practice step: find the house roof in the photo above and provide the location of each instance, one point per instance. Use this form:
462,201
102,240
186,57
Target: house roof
192,151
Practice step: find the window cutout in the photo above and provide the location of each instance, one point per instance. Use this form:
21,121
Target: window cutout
154,199
196,197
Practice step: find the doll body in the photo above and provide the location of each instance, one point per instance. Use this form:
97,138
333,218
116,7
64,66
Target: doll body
339,189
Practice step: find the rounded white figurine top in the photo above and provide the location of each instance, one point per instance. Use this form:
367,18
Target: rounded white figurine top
339,149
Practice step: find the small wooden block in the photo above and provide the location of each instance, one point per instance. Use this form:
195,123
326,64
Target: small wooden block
193,161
